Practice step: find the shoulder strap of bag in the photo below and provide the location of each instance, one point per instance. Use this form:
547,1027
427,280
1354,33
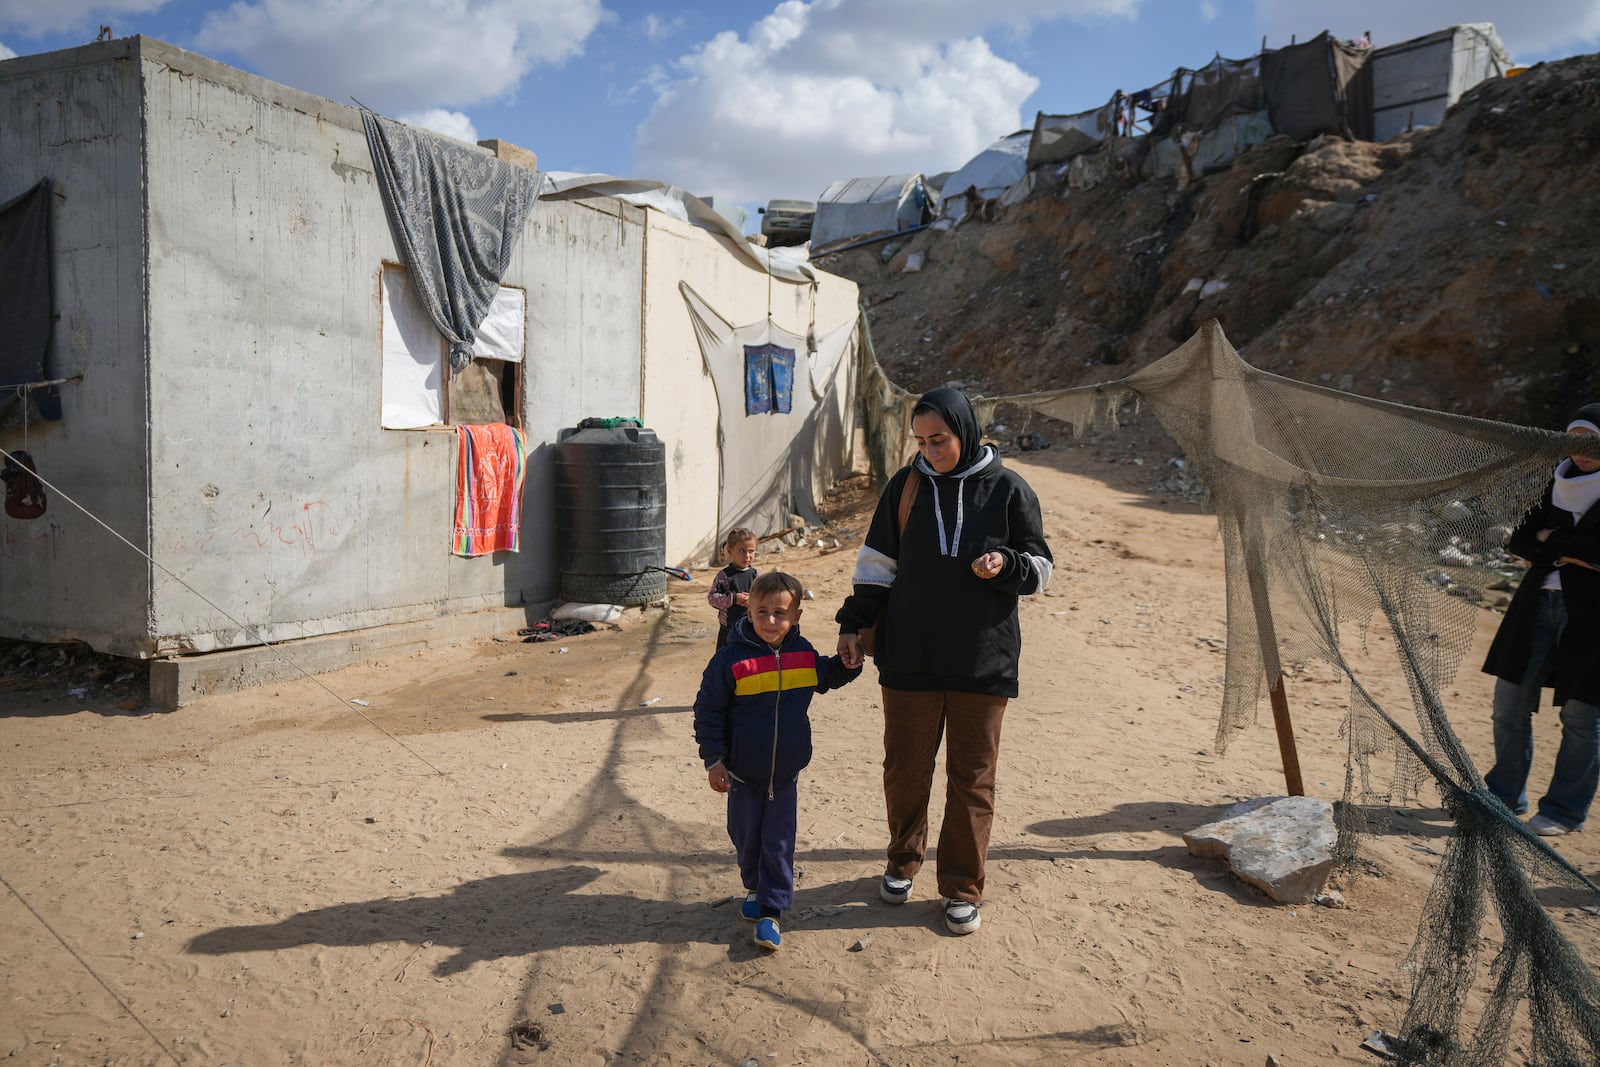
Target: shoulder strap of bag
908,496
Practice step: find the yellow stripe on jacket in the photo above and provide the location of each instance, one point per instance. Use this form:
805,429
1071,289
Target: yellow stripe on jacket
760,674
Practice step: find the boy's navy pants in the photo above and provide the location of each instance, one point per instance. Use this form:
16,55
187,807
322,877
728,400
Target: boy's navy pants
763,833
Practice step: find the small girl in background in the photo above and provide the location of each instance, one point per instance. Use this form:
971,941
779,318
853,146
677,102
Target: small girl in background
730,589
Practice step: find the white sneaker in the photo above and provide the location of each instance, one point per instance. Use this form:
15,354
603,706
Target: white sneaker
895,890
961,916
1545,826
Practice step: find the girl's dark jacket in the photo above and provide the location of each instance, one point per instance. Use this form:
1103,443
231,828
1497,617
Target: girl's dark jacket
946,628
751,712
1577,669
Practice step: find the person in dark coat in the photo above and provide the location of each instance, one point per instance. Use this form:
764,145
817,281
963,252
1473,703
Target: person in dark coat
754,734
1551,637
943,597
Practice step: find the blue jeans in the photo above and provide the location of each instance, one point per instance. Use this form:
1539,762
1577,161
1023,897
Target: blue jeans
1577,771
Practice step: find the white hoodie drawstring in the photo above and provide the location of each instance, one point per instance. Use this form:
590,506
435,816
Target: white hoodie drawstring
951,546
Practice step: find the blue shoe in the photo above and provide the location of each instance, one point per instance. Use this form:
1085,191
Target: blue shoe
895,890
750,909
768,935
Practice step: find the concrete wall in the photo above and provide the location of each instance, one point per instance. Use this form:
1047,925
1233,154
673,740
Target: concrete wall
74,117
280,496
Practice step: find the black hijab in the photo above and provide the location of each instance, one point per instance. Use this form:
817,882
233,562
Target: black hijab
955,409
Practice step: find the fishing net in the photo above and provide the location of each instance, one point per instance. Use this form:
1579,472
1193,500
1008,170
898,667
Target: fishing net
1344,517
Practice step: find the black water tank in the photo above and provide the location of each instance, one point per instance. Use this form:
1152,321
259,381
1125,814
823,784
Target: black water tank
611,515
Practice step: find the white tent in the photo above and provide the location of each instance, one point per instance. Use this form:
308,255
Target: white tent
1415,82
862,207
992,171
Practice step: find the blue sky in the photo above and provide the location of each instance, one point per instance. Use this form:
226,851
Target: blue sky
752,100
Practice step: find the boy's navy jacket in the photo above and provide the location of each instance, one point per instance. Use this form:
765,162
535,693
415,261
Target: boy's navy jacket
751,710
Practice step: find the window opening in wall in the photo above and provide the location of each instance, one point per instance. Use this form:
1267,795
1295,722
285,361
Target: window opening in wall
419,391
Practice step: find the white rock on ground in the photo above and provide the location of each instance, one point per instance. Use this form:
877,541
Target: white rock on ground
1281,845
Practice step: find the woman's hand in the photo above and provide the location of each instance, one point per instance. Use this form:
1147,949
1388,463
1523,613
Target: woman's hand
850,651
988,565
718,777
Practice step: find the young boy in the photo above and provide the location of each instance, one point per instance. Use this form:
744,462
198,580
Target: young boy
755,737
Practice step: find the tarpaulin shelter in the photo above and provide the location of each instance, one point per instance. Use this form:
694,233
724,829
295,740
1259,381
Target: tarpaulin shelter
782,398
1057,138
1415,82
862,207
990,172
1200,99
1321,86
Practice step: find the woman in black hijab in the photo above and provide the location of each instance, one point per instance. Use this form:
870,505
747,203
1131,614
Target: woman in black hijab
1551,637
939,588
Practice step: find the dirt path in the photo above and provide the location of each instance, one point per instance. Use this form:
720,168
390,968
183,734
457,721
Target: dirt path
519,835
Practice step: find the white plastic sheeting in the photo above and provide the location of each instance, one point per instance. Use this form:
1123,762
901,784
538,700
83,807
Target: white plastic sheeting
766,458
681,205
992,171
862,207
413,356
413,349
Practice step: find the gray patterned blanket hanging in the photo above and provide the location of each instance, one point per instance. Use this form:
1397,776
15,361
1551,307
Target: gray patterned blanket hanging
456,214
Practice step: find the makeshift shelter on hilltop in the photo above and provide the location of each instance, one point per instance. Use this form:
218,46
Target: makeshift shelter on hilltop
1415,82
988,174
1057,138
852,208
1200,120
1320,86
260,402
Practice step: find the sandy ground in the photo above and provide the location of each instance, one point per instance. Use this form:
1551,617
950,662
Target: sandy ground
511,856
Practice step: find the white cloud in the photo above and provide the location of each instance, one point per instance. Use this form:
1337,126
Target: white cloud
34,17
450,123
400,55
839,88
1538,28
6,53
1209,10
660,27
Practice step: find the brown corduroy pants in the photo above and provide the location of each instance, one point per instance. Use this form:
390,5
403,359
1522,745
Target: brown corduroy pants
913,725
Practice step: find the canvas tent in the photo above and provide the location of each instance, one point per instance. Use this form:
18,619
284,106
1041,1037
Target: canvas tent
231,314
991,172
862,207
1415,82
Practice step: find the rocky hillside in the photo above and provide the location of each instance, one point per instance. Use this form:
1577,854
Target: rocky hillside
1453,268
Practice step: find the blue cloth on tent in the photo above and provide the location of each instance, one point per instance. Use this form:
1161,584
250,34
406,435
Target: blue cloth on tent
768,379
